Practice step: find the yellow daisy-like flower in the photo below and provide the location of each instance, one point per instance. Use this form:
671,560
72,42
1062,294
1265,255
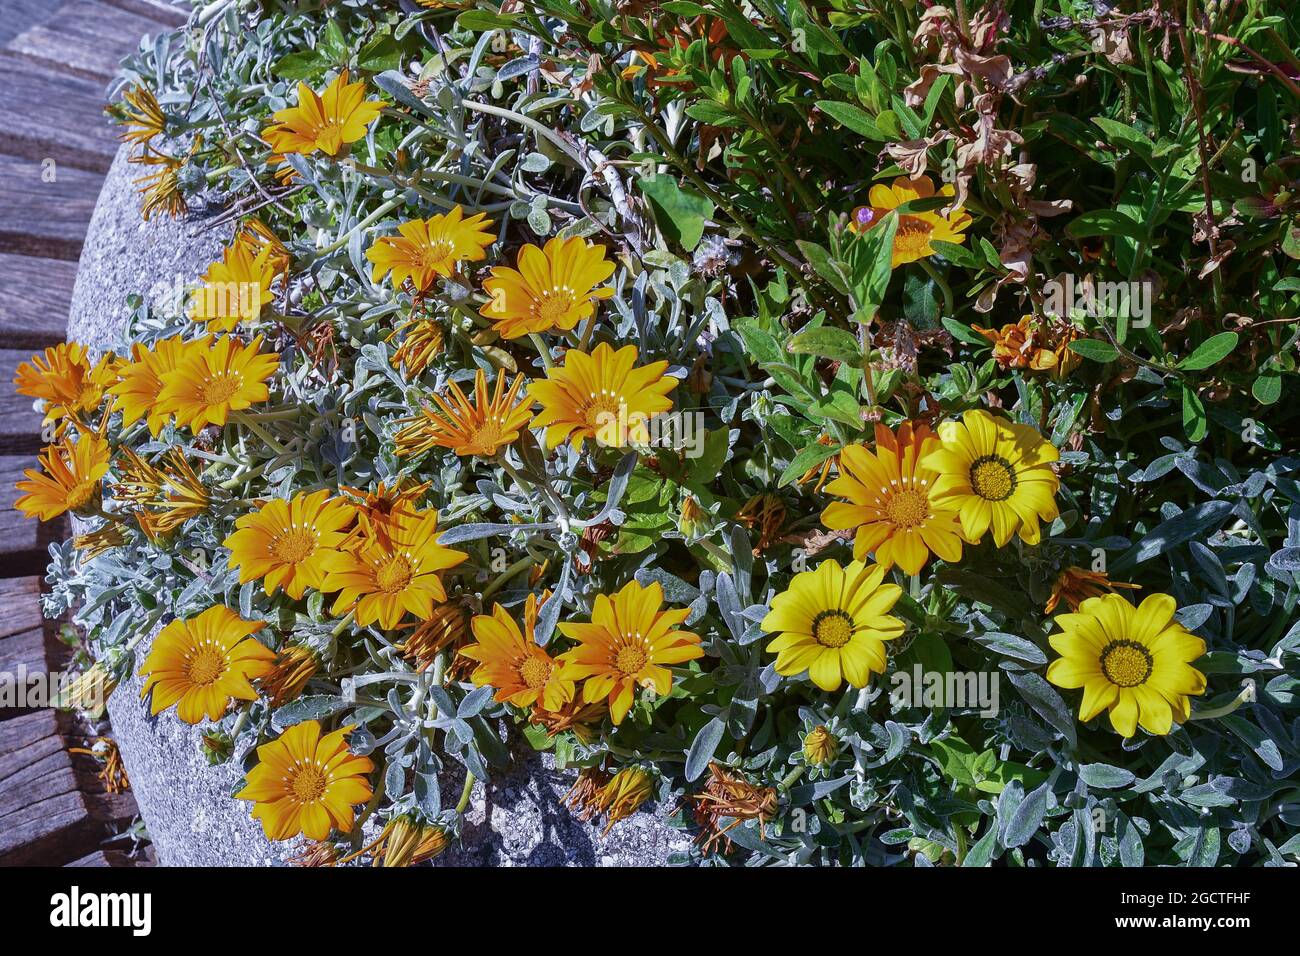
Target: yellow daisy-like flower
522,673
305,783
995,473
142,116
328,122
200,664
833,622
428,248
393,569
627,644
66,380
161,189
70,480
167,499
915,230
553,288
136,393
604,396
1134,662
890,501
481,428
286,543
234,289
211,383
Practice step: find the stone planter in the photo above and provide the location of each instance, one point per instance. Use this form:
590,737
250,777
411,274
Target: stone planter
516,820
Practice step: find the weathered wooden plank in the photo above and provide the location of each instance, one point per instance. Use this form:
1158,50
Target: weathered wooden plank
162,11
23,731
113,858
20,423
22,14
70,128
45,218
85,37
44,779
20,606
38,296
23,541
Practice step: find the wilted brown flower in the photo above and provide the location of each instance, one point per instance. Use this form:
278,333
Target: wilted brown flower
728,794
577,716
596,793
318,853
104,538
1031,344
765,514
112,772
820,471
1075,585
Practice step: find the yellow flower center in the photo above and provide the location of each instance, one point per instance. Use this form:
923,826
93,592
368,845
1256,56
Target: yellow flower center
485,439
80,494
1126,663
553,304
912,238
908,508
534,672
294,545
437,252
992,478
630,658
394,575
832,628
205,664
308,783
218,389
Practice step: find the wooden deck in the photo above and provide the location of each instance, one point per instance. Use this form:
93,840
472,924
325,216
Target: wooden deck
56,59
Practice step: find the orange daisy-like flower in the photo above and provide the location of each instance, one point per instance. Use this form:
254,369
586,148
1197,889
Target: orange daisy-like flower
627,645
211,383
286,543
234,289
428,248
1034,345
916,230
1076,585
70,481
553,288
200,664
305,783
481,429
392,570
603,396
140,380
511,661
889,501
66,380
328,122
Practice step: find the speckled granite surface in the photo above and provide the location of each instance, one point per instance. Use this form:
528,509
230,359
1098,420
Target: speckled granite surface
517,820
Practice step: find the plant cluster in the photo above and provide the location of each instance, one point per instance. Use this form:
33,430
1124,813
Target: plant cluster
857,431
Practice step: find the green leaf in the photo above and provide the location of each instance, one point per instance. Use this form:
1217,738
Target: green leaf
809,457
824,265
1106,222
871,266
678,212
1267,389
381,53
828,343
712,114
1195,423
1095,349
963,332
1212,350
300,66
855,118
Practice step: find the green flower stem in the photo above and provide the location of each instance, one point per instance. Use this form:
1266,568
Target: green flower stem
240,418
380,211
465,793
791,778
521,565
542,350
341,626
941,283
1247,694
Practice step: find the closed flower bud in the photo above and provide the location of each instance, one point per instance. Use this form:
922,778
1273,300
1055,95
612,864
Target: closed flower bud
820,746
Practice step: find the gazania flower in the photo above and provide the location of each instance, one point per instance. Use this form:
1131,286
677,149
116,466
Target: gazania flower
167,496
390,573
380,505
820,746
70,480
67,380
1076,585
142,116
307,783
578,716
728,794
328,122
89,691
833,622
553,288
286,543
161,189
915,230
428,248
627,645
294,666
512,662
407,841
890,501
821,472
996,474
1134,662
422,341
257,235
1034,345
136,393
596,794
200,664
234,289
447,628
106,537
765,514
211,383
479,429
603,396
